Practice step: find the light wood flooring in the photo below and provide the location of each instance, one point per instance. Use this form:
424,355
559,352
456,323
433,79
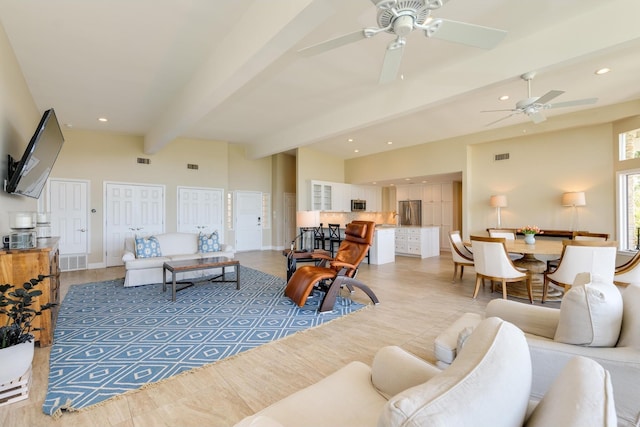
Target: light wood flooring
417,301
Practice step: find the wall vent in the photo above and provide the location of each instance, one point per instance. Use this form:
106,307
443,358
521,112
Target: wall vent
144,161
73,262
192,166
503,156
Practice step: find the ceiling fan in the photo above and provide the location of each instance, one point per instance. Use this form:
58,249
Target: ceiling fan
401,17
532,106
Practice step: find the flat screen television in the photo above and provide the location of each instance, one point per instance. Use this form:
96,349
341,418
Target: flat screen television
29,175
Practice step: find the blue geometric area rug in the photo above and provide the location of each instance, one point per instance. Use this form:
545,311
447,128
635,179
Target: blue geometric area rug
110,339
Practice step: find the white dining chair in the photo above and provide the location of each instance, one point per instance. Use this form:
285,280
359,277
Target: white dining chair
491,261
580,256
508,234
629,272
459,253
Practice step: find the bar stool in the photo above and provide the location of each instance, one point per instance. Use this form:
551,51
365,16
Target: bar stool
334,237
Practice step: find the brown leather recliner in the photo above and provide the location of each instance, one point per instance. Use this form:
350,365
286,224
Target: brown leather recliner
331,274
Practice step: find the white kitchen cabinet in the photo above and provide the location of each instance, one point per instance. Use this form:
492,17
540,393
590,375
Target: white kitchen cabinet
322,196
418,241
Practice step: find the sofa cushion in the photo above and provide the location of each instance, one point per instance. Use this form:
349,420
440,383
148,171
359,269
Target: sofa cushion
491,373
590,314
146,263
581,396
178,243
630,329
147,247
208,242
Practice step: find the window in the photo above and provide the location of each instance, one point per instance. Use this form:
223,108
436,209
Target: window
266,210
629,209
629,144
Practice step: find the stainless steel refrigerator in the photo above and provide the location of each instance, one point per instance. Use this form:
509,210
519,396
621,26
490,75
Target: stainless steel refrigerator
410,212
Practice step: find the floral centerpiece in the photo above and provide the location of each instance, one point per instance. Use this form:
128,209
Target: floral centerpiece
529,233
530,229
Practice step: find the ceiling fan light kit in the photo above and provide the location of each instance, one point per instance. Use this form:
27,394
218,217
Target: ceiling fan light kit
400,18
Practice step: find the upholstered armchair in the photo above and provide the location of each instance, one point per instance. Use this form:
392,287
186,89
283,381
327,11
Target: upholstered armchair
595,320
487,385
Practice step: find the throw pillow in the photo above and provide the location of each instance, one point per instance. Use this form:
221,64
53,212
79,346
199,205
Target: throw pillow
590,314
147,247
208,242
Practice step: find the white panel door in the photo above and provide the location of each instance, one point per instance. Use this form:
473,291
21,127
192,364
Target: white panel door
130,210
248,220
68,204
201,209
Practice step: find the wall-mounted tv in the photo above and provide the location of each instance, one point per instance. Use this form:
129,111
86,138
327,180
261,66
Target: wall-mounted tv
29,175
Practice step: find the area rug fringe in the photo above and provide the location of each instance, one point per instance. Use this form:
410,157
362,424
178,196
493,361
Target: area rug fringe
69,408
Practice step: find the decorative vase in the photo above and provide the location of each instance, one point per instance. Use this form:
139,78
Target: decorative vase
530,239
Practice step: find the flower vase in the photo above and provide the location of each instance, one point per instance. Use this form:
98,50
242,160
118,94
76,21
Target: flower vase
530,239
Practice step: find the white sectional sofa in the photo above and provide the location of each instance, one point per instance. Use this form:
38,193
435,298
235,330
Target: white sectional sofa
145,269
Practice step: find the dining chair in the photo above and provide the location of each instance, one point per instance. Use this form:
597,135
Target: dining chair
508,234
459,253
579,256
629,272
491,261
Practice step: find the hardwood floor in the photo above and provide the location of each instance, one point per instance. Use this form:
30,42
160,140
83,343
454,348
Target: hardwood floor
417,301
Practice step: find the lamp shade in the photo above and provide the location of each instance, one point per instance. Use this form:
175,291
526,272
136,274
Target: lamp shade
308,219
576,198
498,201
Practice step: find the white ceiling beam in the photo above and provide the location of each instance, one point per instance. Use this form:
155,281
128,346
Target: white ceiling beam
254,43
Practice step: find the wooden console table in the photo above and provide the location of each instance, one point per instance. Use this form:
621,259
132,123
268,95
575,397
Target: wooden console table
18,266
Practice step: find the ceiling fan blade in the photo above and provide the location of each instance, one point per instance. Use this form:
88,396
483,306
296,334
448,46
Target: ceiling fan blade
499,120
537,117
549,96
495,111
572,103
469,34
332,43
392,60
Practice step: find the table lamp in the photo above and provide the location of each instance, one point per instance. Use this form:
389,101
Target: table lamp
498,201
574,199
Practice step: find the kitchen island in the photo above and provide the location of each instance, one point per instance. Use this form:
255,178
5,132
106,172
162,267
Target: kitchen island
382,249
417,241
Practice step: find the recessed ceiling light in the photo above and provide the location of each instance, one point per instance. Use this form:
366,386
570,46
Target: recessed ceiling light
389,142
350,140
374,183
407,179
356,151
69,125
603,71
504,97
102,119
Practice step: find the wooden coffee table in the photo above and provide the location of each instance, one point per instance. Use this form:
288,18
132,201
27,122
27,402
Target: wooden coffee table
176,267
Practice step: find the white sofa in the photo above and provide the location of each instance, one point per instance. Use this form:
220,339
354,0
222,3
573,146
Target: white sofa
487,385
593,324
173,247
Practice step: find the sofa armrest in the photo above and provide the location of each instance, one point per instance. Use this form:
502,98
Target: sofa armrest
532,319
548,358
128,256
395,370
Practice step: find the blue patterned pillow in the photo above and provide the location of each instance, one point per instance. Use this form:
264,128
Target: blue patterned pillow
147,248
208,242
